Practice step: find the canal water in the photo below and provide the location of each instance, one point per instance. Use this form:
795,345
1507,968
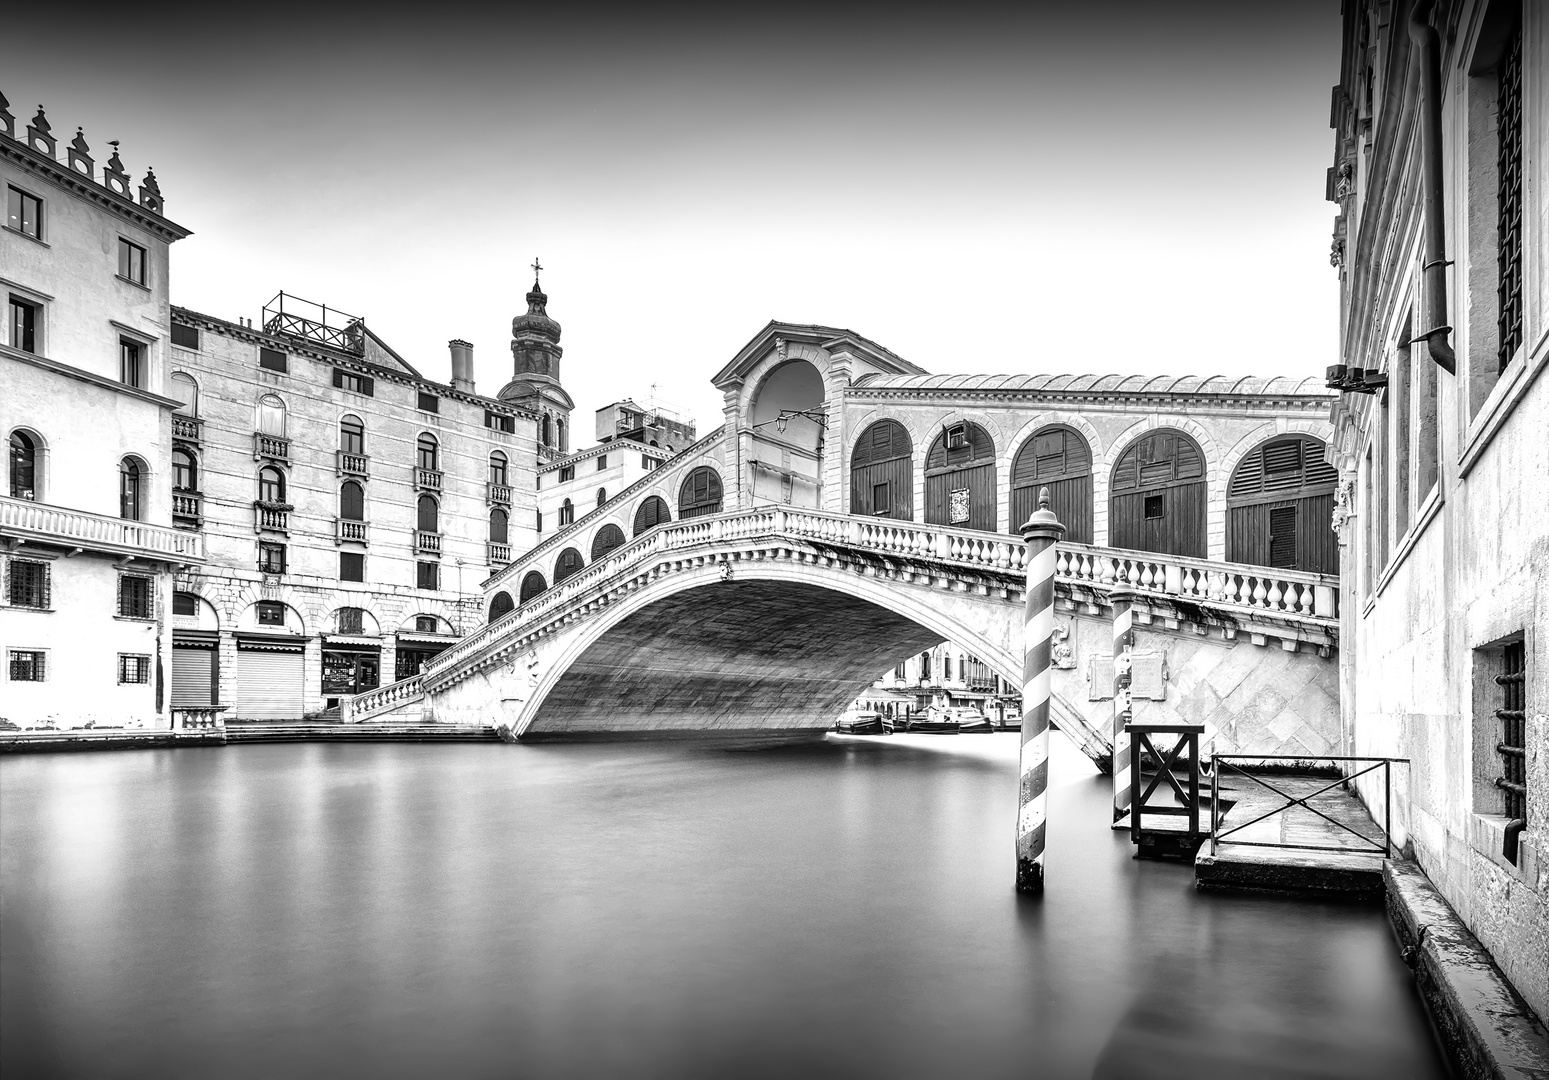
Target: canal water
661,910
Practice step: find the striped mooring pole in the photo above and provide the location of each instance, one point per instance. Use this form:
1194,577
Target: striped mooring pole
1040,532
1123,642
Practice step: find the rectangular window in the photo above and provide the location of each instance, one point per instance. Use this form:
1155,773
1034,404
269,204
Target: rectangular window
352,566
271,558
271,613
29,586
881,501
602,462
134,596
186,336
1282,537
131,261
273,360
185,604
646,461
498,422
133,668
27,665
24,213
24,324
1153,507
429,402
131,362
957,437
352,620
355,384
1512,746
566,472
427,575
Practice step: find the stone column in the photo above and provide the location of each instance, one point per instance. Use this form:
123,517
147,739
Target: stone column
1123,642
1040,532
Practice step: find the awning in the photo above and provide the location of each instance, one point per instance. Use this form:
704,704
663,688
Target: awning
289,643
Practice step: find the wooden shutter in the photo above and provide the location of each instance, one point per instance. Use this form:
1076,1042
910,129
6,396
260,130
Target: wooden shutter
1282,537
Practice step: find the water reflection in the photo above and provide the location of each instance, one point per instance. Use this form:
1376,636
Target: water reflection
640,910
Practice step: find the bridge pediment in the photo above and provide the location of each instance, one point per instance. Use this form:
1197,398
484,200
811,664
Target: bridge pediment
815,344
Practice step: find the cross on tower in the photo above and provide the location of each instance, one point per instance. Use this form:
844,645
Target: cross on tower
536,266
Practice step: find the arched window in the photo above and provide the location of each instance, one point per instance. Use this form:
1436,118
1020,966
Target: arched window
185,473
602,496
651,512
429,517
547,435
925,667
1158,496
187,391
1278,507
24,466
498,527
271,415
497,468
882,473
561,435
700,494
608,537
271,485
352,435
532,585
960,478
946,667
352,501
429,453
566,513
130,478
500,606
1059,459
568,563
785,403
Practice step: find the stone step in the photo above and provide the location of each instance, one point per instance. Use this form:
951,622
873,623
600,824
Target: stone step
321,731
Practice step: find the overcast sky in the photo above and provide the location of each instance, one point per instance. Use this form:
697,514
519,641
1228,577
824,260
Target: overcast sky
1069,188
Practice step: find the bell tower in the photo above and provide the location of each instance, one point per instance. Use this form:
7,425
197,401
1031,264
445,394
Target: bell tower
535,384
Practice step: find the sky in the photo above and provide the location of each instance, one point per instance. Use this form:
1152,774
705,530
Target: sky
1114,187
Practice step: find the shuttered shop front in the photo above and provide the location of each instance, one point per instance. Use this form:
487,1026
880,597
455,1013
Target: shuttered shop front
193,672
269,680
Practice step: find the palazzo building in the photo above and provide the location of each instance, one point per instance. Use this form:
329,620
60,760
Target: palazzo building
1442,444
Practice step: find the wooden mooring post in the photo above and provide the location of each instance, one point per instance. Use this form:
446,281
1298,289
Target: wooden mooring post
1040,532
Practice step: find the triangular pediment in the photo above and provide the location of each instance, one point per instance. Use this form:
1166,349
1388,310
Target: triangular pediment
829,338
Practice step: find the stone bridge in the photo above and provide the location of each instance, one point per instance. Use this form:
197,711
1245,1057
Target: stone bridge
772,619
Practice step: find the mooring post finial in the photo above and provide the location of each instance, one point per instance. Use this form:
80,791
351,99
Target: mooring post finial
1043,498
1040,533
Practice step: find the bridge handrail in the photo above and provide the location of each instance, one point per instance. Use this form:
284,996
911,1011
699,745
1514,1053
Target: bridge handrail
580,525
361,706
1252,588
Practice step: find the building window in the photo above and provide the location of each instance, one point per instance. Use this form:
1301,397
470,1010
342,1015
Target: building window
1512,747
563,436
131,362
497,468
881,501
26,665
273,360
498,422
425,624
354,383
352,501
131,261
134,596
352,566
647,461
429,402
602,496
1153,506
271,416
185,604
566,473
185,474
429,453
130,477
566,513
270,613
352,620
133,668
499,533
24,213
271,558
925,667
24,324
185,336
427,575
29,584
540,521
271,485
187,391
1509,200
429,515
352,435
24,466
602,462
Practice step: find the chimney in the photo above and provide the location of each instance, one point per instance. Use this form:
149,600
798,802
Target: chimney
462,365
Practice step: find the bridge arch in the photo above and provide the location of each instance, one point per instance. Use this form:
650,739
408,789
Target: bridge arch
960,488
882,471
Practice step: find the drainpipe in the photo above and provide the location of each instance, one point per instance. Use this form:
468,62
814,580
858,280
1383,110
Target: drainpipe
1435,267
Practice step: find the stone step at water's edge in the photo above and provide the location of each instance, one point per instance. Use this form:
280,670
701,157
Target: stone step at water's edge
1321,874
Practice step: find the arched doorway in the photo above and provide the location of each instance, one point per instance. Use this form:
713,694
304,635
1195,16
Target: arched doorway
1158,496
1058,458
700,494
568,563
608,537
960,478
532,585
501,605
651,512
882,472
1278,507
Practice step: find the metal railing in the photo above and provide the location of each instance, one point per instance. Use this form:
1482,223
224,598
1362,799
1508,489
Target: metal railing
291,316
353,464
1367,844
273,447
97,532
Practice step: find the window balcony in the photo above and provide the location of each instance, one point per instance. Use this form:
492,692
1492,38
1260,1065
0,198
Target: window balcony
428,543
498,494
187,509
189,429
271,517
346,531
427,479
499,554
271,447
36,522
354,464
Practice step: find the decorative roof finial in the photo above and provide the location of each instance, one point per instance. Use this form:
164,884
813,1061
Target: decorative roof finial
7,121
114,175
81,160
150,192
38,136
79,142
536,268
41,122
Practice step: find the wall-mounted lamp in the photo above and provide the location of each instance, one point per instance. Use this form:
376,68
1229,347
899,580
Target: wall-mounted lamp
785,416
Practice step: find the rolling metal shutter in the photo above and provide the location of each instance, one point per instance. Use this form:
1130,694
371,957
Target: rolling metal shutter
193,677
269,682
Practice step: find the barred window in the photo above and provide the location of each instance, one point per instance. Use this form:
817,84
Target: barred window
29,584
134,596
425,624
352,620
134,668
1512,746
27,665
1509,199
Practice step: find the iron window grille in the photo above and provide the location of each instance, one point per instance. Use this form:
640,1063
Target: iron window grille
27,665
1509,200
133,668
1512,746
29,584
271,613
352,620
425,624
134,597
24,213
131,261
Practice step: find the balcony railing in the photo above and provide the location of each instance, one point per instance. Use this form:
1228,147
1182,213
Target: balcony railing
498,494
273,447
427,542
499,554
429,479
271,517
351,531
354,464
187,428
40,522
187,508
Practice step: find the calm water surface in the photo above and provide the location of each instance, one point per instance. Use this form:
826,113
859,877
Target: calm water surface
665,910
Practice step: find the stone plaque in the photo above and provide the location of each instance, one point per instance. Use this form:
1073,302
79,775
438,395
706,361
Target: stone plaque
957,506
1145,676
1099,678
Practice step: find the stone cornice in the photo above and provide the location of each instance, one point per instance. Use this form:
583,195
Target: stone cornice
602,448
82,375
88,188
1183,403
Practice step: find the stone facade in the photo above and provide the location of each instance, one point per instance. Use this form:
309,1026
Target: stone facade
1443,454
